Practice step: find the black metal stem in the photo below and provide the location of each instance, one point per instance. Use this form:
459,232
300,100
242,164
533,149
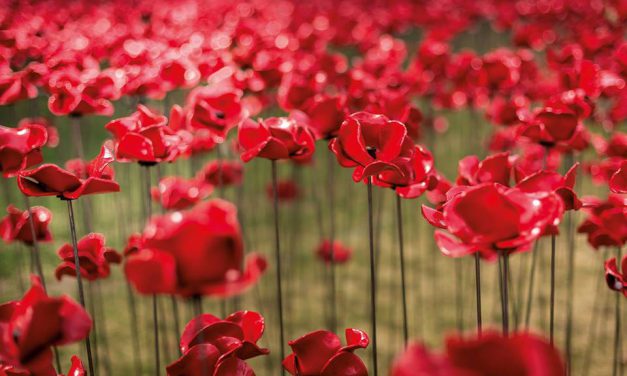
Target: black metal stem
277,256
401,254
552,302
373,281
478,292
79,280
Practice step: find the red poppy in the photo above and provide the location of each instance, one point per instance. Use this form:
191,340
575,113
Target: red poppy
287,190
549,126
606,224
616,280
176,193
275,138
178,72
618,181
218,347
421,172
16,225
194,252
94,258
144,137
321,353
80,93
373,145
551,181
51,180
495,168
15,87
222,172
20,148
31,326
51,130
326,113
490,354
337,254
76,369
216,108
490,217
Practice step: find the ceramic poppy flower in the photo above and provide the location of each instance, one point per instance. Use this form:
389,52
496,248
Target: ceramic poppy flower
53,135
552,181
15,87
490,354
421,172
321,353
216,108
618,181
606,223
549,126
76,369
194,252
16,225
94,258
372,144
222,172
178,72
326,114
287,191
336,253
504,111
616,280
51,180
490,217
144,137
20,148
31,326
220,347
77,93
176,193
275,138
495,168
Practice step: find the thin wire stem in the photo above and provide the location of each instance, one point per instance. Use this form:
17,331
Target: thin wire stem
79,280
277,256
401,254
373,281
552,302
478,292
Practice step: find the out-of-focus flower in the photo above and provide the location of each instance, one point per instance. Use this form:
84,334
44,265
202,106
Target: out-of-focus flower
16,225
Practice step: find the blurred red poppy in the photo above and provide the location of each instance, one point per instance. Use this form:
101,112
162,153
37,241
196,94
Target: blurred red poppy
222,172
490,354
144,137
337,254
326,114
219,347
16,225
489,218
550,126
51,180
94,258
20,148
16,87
194,252
275,138
616,280
176,193
321,353
31,326
618,181
606,223
287,191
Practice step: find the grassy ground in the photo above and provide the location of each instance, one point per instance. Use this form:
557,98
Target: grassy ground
441,290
